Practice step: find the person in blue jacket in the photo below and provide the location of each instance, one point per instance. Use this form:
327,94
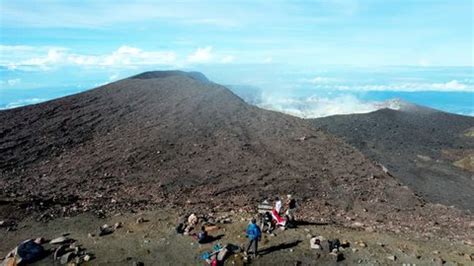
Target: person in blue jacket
254,234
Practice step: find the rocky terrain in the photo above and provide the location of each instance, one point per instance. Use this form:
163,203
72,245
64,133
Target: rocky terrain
430,151
154,242
176,140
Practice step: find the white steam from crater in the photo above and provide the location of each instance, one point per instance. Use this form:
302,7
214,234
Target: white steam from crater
316,106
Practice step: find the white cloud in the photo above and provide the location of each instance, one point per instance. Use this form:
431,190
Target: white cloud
13,56
127,55
314,106
452,85
23,102
44,58
27,57
201,55
54,56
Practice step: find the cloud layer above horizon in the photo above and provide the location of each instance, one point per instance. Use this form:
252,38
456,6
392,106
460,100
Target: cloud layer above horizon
53,48
306,33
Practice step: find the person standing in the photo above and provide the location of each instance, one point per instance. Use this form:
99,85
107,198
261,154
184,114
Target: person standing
254,234
277,213
291,208
278,205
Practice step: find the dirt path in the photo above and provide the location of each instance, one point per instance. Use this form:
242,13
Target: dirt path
155,242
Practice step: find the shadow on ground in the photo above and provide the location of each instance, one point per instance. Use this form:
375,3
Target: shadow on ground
278,247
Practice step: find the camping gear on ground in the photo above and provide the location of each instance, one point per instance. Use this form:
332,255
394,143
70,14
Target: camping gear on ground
216,247
180,228
29,251
264,207
218,254
210,228
206,255
315,243
334,245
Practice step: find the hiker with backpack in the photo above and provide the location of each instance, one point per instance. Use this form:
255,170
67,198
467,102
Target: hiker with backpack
254,234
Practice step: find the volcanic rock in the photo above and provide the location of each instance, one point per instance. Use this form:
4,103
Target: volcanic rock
96,151
419,145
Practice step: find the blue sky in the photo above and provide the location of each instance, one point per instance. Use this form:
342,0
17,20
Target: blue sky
53,48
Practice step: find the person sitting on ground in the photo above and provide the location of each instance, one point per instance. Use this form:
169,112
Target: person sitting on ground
267,225
254,234
290,208
202,236
192,222
29,251
192,219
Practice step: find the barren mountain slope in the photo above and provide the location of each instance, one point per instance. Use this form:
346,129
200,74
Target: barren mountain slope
429,150
174,138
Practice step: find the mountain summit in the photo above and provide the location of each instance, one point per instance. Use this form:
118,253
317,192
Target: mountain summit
174,136
175,139
170,73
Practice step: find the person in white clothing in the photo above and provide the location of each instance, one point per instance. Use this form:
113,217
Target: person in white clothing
278,205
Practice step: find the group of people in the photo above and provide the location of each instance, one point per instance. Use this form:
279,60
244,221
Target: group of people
284,215
278,214
186,226
189,225
281,215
